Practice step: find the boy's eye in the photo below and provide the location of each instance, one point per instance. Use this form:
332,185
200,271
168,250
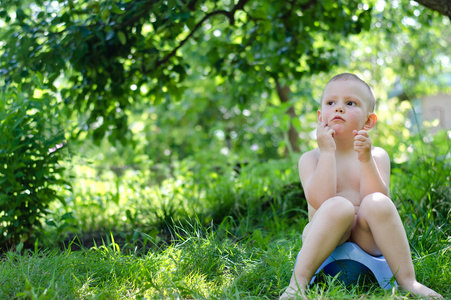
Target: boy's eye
352,103
330,102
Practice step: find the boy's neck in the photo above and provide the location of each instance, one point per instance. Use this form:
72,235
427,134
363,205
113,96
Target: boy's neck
344,145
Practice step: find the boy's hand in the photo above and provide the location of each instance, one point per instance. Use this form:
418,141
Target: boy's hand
325,136
362,145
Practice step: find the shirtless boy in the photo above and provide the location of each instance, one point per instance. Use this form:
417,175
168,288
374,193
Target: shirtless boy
346,183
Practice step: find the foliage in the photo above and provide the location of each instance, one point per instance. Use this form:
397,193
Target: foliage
31,143
132,203
112,54
408,46
198,182
182,244
422,189
181,77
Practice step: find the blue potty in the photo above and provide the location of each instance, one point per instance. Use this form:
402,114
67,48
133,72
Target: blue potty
350,264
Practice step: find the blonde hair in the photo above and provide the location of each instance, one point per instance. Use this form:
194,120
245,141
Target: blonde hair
352,77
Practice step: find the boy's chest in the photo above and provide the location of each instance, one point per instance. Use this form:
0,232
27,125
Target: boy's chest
348,175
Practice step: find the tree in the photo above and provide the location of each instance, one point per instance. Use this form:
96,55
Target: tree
107,55
442,6
104,57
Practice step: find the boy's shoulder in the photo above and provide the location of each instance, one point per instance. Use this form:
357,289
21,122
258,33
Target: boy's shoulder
378,152
314,152
311,155
380,155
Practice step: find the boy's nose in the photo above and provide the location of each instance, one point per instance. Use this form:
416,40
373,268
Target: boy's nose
339,109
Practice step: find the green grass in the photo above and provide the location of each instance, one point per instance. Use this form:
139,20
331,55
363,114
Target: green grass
210,235
201,263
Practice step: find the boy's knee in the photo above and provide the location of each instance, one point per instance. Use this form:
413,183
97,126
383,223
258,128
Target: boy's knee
340,208
378,204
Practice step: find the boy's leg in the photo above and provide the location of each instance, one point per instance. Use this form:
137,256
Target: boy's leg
379,229
330,226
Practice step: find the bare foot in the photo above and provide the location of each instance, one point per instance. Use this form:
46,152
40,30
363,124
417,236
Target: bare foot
421,290
293,292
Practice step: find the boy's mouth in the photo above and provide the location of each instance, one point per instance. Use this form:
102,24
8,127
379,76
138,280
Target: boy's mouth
338,118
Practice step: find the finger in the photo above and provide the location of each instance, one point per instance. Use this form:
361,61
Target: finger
359,149
332,132
363,132
362,140
359,137
360,146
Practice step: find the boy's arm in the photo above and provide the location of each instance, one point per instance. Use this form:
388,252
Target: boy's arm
318,177
374,165
375,174
318,170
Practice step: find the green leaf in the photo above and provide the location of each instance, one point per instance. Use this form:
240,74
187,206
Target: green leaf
122,38
19,174
129,214
19,247
296,124
105,14
116,9
67,216
285,123
51,222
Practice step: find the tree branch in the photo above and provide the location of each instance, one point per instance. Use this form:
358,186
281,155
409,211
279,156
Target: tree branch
229,14
443,7
198,25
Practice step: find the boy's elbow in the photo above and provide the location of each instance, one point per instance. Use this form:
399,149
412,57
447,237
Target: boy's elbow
317,197
315,202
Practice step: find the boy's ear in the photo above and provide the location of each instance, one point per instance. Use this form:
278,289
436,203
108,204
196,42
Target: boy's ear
370,121
320,118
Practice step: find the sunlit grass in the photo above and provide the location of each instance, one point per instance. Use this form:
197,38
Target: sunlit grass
201,263
214,234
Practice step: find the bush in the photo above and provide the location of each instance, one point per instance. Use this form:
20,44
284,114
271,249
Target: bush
422,191
422,183
31,144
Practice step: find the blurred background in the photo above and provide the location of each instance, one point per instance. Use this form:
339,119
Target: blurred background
132,116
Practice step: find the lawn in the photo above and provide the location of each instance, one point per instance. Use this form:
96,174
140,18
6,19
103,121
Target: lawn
211,235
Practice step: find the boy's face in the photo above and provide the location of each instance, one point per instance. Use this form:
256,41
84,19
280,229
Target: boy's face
345,106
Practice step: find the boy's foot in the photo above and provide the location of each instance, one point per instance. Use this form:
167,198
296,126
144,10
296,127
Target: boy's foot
293,293
419,289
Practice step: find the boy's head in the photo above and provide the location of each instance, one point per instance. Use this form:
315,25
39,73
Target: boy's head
347,104
371,99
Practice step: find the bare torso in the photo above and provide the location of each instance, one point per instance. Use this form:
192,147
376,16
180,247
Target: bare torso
348,179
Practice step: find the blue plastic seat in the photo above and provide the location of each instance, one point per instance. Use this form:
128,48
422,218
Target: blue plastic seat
349,263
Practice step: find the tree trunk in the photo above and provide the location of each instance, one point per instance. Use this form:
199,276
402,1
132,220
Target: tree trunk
442,6
293,136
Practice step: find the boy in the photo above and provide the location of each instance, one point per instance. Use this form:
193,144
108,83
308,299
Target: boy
346,182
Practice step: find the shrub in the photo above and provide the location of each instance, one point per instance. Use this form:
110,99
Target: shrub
31,144
422,183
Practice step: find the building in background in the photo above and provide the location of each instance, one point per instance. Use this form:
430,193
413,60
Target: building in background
431,112
436,109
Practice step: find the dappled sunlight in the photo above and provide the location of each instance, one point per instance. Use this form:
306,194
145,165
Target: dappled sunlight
150,149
